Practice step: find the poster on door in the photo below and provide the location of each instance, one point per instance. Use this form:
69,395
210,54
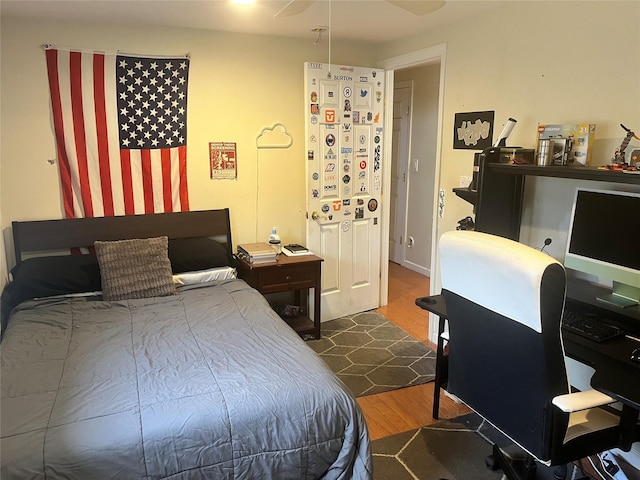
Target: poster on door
344,137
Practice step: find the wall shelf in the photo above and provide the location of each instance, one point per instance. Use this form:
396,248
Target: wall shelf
466,194
500,190
580,173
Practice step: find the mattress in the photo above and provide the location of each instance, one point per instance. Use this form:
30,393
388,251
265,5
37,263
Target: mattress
209,383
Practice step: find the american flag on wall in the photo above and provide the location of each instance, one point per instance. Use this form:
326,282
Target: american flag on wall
121,132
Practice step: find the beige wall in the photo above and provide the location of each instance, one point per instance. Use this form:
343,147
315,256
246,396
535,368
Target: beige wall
521,62
239,84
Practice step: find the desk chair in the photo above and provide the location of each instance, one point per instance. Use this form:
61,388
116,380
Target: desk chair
504,304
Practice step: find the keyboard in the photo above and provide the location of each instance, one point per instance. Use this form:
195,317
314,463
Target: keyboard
589,326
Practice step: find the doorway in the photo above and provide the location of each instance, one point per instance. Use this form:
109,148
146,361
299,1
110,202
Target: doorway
395,67
399,175
415,129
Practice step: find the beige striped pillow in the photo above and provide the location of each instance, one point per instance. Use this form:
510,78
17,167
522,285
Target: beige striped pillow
135,268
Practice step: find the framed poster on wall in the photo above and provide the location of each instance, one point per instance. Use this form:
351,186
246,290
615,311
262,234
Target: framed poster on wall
473,130
223,162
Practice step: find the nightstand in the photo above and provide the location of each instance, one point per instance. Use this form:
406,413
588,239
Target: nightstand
290,274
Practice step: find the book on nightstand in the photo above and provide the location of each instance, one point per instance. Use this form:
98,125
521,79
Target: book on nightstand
254,253
293,249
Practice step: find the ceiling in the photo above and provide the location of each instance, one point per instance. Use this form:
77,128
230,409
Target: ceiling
370,21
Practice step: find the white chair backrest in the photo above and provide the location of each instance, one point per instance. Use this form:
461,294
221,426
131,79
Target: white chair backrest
506,359
503,266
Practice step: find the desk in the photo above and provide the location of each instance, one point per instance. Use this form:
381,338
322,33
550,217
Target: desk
615,373
435,304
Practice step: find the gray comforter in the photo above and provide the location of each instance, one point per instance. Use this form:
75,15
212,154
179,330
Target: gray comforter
206,384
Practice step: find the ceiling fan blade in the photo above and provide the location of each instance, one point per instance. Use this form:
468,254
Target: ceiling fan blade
421,7
294,7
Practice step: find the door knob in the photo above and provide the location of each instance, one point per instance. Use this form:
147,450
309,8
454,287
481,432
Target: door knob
315,216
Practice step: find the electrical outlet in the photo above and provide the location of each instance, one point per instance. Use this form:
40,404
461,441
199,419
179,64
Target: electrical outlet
465,181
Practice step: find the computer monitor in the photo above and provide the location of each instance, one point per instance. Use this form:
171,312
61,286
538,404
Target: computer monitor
604,240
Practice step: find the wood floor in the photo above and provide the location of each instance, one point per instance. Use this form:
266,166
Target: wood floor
407,408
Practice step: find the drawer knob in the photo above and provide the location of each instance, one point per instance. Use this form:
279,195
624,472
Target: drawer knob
288,277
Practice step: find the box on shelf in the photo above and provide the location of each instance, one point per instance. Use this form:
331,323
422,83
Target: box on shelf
581,136
560,151
513,155
259,252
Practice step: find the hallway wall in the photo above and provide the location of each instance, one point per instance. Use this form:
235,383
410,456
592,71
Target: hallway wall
420,208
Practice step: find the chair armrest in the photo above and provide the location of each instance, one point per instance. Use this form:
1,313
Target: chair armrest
574,402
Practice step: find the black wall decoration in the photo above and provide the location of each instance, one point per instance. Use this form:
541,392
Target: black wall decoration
473,130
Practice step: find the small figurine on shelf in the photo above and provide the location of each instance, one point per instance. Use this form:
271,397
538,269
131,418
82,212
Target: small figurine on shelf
619,156
466,223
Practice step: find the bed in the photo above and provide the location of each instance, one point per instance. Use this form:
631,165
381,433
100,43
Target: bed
200,380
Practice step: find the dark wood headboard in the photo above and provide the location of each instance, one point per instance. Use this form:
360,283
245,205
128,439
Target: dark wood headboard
49,235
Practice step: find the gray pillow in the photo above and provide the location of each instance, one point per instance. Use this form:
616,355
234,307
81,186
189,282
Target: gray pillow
136,268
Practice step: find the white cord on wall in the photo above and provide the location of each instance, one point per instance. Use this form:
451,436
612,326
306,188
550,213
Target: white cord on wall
329,36
274,137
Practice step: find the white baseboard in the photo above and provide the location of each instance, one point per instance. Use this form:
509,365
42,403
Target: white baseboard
417,268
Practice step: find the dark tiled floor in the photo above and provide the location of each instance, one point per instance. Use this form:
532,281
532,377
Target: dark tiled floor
448,450
371,355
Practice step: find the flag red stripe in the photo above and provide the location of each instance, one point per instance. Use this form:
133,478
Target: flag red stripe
127,182
58,125
75,66
167,191
93,166
147,181
102,134
182,165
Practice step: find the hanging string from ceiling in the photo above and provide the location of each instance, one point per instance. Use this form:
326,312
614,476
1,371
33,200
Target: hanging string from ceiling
330,2
320,30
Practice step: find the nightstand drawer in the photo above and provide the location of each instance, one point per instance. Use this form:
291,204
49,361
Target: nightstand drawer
284,279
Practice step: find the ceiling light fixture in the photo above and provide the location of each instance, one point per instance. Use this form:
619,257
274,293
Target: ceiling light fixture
243,2
319,30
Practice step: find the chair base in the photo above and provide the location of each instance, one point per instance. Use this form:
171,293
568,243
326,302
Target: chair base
518,465
515,464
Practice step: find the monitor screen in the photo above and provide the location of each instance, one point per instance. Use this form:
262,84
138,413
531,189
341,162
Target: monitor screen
604,240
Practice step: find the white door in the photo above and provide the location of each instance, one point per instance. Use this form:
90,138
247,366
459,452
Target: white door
399,172
344,143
